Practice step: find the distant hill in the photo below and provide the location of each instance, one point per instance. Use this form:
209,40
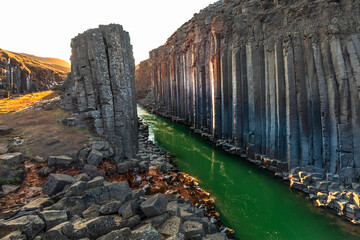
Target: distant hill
22,72
53,61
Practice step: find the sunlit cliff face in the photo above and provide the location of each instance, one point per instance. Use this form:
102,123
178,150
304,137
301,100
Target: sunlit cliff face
22,102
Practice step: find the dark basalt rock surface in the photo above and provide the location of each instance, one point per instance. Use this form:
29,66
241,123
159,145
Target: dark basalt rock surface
101,87
275,78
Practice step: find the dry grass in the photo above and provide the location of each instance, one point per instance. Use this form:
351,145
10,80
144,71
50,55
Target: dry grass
43,135
23,101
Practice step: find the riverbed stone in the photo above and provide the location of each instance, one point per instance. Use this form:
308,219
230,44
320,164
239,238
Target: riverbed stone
155,205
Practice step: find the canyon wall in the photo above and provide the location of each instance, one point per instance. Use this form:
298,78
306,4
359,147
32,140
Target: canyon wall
23,73
101,86
276,78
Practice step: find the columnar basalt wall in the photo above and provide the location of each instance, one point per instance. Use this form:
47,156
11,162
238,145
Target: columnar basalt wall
101,85
276,78
22,73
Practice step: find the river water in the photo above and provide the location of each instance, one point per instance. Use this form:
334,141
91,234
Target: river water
250,200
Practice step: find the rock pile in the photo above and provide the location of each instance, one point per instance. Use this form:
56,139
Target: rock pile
101,88
87,206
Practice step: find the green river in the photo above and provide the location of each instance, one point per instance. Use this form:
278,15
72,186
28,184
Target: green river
250,200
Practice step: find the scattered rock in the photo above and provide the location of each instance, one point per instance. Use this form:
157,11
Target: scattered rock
56,183
12,158
60,161
155,205
92,171
39,159
95,157
170,227
191,228
145,232
45,171
96,182
38,203
53,218
92,211
9,188
118,191
110,208
77,189
31,225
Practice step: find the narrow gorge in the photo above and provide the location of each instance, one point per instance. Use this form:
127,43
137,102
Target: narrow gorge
278,80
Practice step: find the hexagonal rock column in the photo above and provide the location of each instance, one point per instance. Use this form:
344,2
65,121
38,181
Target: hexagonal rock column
101,85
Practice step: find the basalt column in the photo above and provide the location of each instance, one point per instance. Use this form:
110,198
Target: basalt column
101,86
278,79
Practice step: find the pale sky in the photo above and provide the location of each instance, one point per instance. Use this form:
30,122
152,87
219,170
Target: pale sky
46,27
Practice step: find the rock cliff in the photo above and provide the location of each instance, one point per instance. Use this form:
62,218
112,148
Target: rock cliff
23,73
275,78
101,86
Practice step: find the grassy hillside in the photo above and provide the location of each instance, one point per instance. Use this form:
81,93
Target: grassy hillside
31,62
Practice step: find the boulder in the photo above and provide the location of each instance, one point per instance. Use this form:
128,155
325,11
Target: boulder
12,158
82,177
191,229
115,235
53,218
55,233
76,205
40,159
145,232
322,186
129,209
93,228
156,221
110,208
77,189
124,167
170,227
92,171
30,225
56,183
118,191
16,235
96,182
100,145
95,157
155,205
38,203
216,236
45,171
60,161
92,212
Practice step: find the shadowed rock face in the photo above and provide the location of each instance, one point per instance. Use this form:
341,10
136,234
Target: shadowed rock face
101,85
278,78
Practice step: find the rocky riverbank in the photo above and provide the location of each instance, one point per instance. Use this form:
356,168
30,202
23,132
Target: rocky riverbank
97,196
327,190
